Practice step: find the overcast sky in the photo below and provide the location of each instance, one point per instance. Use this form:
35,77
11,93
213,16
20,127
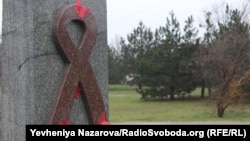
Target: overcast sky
125,15
1,4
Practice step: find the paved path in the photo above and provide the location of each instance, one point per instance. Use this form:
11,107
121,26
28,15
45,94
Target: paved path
183,123
123,95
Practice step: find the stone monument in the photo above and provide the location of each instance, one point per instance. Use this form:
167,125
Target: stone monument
54,66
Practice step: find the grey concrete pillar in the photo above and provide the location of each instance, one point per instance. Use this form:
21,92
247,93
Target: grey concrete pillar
32,68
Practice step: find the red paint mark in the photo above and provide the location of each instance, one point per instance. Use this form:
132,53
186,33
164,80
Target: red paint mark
78,90
103,120
80,10
67,122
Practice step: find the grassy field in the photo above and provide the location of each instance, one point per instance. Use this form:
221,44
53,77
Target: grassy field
125,106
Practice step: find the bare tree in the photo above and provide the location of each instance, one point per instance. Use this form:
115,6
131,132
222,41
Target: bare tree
228,56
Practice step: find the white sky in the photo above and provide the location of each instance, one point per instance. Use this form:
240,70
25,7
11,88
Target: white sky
125,15
1,4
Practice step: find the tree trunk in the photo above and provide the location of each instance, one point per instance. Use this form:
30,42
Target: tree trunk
172,93
203,89
210,91
139,85
220,109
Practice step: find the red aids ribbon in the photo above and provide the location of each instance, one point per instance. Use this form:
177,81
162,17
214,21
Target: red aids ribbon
78,71
80,10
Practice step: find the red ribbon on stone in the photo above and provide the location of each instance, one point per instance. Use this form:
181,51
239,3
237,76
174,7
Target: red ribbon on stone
81,10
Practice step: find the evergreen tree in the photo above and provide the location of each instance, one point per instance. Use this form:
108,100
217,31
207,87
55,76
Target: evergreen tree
134,49
163,69
116,71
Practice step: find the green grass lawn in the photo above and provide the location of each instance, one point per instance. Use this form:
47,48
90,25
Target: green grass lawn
125,105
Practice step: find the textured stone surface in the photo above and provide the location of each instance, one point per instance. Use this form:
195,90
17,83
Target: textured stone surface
32,68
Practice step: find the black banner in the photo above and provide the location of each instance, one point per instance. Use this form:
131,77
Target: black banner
197,132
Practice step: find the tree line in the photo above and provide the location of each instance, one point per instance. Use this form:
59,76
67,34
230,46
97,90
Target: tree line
173,61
